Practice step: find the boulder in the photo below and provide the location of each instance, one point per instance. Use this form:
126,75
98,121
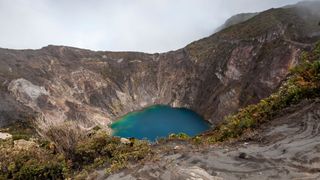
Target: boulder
5,136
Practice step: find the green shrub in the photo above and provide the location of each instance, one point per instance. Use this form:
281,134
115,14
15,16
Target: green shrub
41,161
30,163
100,149
180,136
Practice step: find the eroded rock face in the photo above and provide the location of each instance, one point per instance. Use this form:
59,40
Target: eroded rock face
213,76
26,92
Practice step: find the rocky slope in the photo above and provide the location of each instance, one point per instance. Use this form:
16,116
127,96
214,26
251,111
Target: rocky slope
213,76
236,19
285,148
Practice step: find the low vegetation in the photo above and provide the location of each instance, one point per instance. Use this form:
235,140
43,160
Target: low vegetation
100,149
26,160
39,159
179,136
21,130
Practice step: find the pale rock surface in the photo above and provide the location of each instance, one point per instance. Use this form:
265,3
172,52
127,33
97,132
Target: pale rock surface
125,141
5,136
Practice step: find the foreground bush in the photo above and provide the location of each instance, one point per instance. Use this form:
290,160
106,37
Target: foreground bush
43,160
101,149
30,162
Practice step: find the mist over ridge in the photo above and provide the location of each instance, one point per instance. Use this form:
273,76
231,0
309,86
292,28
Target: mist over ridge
140,25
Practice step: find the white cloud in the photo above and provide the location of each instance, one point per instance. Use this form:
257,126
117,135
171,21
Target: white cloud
118,25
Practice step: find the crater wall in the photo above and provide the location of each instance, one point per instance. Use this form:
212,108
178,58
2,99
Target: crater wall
214,76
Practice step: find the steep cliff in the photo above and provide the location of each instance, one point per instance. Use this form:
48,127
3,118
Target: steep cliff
213,76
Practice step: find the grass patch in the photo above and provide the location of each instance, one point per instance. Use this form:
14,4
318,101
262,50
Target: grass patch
20,130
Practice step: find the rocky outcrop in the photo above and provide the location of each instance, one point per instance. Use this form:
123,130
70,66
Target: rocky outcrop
5,136
26,92
213,76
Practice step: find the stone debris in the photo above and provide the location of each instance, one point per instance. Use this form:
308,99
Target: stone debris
5,136
243,155
125,141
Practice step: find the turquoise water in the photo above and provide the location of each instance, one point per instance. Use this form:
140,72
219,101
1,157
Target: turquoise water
159,121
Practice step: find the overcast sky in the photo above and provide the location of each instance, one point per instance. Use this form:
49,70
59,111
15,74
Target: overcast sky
117,25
